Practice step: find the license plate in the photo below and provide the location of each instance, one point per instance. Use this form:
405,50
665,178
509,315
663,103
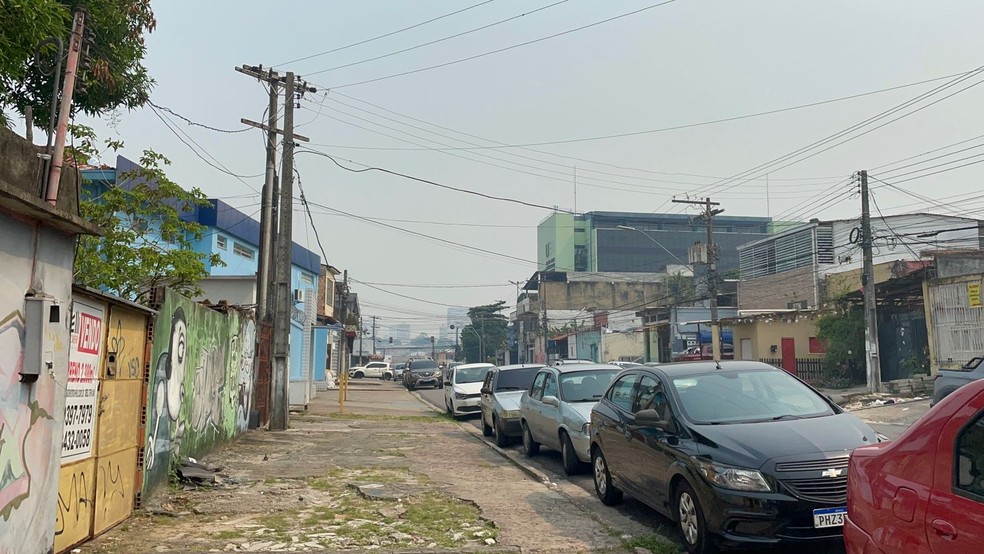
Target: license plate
829,517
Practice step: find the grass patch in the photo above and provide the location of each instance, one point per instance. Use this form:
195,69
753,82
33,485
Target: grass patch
433,514
227,535
657,544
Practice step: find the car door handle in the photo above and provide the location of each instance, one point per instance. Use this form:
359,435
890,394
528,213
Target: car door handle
944,529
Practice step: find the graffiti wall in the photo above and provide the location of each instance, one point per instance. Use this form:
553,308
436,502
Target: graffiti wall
201,384
31,413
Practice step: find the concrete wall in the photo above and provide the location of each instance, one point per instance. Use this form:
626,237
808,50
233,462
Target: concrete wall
615,346
764,333
201,384
31,415
600,295
775,292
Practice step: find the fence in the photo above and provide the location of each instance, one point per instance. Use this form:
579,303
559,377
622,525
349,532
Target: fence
807,369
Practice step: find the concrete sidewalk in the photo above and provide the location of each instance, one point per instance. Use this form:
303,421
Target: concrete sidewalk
390,473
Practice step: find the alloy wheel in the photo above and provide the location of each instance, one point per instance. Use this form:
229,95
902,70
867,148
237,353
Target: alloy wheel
600,475
689,525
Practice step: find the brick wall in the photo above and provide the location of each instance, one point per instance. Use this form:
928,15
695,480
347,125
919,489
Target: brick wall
776,292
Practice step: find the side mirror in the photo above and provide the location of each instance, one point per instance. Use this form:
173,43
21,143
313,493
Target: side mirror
485,390
551,401
652,418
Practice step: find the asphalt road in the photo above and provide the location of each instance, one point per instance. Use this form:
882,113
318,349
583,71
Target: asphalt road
548,462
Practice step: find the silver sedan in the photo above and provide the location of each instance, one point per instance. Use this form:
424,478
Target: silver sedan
556,410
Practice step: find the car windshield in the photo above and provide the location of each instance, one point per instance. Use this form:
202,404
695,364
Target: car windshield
470,374
585,386
746,397
516,379
423,365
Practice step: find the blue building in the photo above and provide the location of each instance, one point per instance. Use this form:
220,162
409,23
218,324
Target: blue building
235,237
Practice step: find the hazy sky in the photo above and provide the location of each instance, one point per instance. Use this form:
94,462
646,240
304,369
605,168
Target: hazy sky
682,63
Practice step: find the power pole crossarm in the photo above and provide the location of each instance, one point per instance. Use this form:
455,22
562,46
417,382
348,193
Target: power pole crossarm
712,278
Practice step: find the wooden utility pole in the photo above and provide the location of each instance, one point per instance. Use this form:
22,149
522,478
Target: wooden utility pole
873,366
712,277
65,110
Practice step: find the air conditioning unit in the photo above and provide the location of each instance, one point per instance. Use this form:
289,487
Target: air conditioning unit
298,295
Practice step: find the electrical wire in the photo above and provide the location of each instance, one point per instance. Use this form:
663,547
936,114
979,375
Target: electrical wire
504,49
195,123
449,37
391,33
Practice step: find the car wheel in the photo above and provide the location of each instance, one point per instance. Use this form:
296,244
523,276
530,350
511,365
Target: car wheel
693,527
568,455
609,494
359,375
448,407
530,447
501,440
486,429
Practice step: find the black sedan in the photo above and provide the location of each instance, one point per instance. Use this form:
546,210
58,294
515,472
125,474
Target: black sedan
741,454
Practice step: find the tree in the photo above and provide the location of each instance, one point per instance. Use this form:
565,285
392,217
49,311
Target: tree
113,75
147,244
842,334
488,323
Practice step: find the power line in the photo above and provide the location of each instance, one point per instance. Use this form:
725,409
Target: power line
195,123
449,37
504,49
391,33
407,296
442,286
429,182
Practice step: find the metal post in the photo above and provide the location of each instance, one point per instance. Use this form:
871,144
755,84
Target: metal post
281,328
873,365
712,284
373,335
65,111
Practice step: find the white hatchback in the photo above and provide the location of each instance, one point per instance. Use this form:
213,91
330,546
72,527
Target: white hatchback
372,370
462,390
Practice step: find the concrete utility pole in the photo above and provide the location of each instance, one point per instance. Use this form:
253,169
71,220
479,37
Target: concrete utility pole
712,278
373,335
873,365
65,110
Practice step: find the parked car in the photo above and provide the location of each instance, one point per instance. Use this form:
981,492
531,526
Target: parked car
462,389
501,391
423,373
398,371
626,365
924,491
556,410
372,370
705,352
565,361
448,368
738,453
949,380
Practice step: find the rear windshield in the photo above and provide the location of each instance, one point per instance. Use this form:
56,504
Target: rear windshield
516,379
423,364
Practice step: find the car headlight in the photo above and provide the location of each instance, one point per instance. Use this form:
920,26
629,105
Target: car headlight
733,478
460,396
510,414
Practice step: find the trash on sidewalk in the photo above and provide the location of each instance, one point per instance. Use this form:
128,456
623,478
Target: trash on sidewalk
193,473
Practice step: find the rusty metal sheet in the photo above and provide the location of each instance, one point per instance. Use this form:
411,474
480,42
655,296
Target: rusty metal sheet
73,517
115,488
120,409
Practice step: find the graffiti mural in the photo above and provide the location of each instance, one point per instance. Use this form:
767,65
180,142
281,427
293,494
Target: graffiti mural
201,383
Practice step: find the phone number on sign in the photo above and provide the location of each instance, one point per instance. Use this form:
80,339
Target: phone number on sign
77,439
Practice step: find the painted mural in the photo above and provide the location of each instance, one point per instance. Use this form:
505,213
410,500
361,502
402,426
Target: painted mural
201,383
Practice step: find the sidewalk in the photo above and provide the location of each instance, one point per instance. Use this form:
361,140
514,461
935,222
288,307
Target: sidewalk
390,473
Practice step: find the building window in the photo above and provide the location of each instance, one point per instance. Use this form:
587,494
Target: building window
307,279
244,251
220,242
816,346
549,249
580,257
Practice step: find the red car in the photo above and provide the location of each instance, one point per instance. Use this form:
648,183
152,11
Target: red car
923,492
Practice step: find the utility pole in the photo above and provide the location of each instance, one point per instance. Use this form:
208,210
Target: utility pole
361,332
873,366
373,335
65,110
712,278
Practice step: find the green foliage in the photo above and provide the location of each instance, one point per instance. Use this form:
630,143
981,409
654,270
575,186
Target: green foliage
842,333
679,288
488,323
130,259
115,76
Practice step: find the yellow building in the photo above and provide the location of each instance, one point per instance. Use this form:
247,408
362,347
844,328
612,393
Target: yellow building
784,338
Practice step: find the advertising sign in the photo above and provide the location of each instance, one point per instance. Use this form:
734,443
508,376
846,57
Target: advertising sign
82,389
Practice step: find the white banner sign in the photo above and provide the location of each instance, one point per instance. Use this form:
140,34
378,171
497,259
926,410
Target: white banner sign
81,392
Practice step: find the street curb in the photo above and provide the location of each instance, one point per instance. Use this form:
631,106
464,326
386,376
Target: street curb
475,433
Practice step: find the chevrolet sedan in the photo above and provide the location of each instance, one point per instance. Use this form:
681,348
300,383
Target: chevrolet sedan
556,410
738,453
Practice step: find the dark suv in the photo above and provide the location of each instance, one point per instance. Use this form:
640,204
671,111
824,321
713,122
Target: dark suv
949,380
422,373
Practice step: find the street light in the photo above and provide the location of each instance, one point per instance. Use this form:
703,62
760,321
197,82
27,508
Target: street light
481,344
656,242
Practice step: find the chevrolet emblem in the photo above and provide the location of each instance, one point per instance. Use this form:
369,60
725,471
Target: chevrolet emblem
832,472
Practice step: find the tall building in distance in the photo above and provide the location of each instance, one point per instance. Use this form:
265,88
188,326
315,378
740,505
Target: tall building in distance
400,332
638,242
